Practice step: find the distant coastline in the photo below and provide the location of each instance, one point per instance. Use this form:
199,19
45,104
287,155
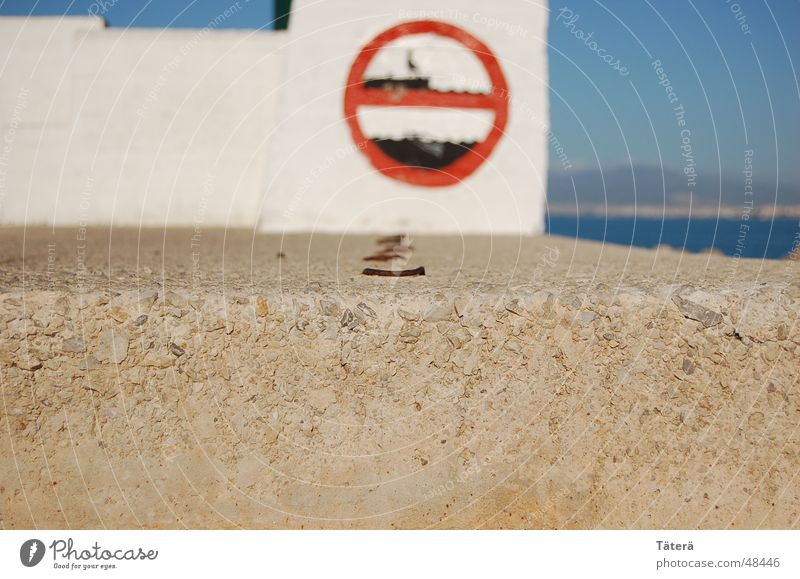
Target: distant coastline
659,211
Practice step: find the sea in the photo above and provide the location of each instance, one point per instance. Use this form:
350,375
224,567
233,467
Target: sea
754,238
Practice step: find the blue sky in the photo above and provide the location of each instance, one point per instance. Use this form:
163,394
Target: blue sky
152,13
737,86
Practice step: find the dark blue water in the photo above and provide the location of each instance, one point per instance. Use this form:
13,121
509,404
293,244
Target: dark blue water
762,239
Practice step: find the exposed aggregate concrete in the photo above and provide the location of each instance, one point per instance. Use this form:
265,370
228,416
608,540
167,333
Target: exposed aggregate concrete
166,381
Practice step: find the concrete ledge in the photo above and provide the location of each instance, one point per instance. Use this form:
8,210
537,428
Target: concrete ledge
197,379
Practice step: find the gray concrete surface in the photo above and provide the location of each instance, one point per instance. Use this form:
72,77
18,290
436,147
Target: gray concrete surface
197,379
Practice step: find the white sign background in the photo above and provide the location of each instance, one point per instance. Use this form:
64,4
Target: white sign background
318,179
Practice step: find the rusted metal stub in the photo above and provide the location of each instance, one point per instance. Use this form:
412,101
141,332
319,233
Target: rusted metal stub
383,257
392,247
394,273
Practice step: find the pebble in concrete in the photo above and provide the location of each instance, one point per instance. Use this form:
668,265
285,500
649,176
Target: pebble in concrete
113,347
694,311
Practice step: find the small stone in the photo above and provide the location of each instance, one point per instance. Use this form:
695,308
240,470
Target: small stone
347,318
459,337
140,321
410,331
147,300
408,316
410,334
214,325
29,363
445,328
688,366
88,363
366,310
176,349
262,307
73,345
513,346
197,387
118,314
53,328
174,300
441,357
329,308
363,315
515,308
471,364
113,347
694,311
157,360
438,312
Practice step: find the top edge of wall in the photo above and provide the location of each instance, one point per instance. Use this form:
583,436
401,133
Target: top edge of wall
71,19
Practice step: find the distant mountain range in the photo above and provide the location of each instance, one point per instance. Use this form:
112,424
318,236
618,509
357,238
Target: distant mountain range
647,186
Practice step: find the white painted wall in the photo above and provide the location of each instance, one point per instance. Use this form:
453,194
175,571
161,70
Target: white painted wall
134,126
324,182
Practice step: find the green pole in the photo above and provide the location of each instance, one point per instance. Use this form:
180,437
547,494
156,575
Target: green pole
282,10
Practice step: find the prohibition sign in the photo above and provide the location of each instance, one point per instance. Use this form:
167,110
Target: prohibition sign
358,94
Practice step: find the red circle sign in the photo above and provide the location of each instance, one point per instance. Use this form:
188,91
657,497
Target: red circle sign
464,160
